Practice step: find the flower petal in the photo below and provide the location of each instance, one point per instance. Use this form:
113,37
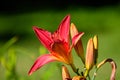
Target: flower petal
80,51
44,36
76,38
63,29
73,30
42,60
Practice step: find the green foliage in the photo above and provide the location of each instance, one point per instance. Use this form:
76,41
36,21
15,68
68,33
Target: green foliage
8,59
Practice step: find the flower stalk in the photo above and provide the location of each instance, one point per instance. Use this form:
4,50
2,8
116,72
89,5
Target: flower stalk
74,69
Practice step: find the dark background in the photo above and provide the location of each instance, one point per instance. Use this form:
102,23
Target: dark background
18,6
11,8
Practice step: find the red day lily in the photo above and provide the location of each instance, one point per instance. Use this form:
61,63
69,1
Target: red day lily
57,43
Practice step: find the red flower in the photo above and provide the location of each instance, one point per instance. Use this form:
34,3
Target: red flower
57,43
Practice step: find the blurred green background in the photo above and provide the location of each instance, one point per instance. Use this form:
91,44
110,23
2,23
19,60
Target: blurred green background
19,47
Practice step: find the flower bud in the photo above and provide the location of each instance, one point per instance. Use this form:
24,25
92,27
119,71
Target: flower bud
95,42
65,73
78,46
89,62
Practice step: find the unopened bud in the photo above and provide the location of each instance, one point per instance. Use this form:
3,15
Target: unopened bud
95,42
78,46
65,73
89,62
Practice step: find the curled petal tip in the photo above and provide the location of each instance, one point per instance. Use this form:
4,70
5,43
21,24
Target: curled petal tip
77,37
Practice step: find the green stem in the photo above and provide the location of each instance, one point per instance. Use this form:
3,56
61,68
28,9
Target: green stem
89,77
95,72
74,69
86,74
